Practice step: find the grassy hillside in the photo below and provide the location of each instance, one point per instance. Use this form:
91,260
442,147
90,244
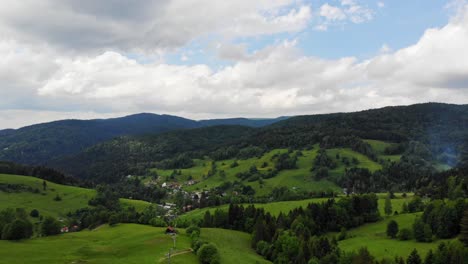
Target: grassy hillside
234,246
273,208
380,146
276,207
373,237
73,198
125,243
300,179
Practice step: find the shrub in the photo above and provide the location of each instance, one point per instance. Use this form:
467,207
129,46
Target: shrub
192,229
50,226
113,220
57,198
404,234
18,229
208,254
34,213
157,222
392,229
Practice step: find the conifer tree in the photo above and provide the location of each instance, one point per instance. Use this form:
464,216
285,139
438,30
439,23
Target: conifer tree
388,205
464,228
414,258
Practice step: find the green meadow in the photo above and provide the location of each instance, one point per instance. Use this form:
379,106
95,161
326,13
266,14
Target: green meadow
275,208
234,246
373,236
300,179
73,198
126,243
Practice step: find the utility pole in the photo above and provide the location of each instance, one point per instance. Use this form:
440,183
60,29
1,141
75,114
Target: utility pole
169,256
174,237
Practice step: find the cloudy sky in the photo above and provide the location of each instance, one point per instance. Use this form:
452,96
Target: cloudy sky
209,58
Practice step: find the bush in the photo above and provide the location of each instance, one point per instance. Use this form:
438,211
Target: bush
392,229
50,227
57,198
197,244
343,234
157,222
113,220
34,213
18,229
405,234
208,254
192,229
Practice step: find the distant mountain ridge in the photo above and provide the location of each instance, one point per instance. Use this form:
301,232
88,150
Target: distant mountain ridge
37,144
439,131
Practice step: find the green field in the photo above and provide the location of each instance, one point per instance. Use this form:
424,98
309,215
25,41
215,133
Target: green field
373,236
234,246
73,198
125,243
299,179
379,148
275,208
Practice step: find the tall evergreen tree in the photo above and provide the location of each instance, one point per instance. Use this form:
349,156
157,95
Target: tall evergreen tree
388,205
429,258
392,229
464,228
414,258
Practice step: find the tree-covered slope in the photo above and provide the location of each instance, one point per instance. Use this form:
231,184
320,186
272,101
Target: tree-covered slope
40,143
425,133
133,155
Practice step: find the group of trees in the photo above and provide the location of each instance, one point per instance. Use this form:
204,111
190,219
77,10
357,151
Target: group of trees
181,161
440,219
107,209
41,172
15,224
286,161
298,227
206,252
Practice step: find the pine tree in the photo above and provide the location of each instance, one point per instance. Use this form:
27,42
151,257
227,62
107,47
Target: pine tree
429,258
464,228
414,258
388,205
418,230
392,229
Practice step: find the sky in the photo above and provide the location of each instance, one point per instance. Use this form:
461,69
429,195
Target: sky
201,59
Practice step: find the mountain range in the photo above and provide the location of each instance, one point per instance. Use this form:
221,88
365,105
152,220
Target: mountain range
40,143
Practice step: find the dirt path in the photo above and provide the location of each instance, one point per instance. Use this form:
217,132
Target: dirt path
185,251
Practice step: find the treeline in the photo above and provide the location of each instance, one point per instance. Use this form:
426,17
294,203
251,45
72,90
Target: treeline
15,224
41,172
106,208
301,224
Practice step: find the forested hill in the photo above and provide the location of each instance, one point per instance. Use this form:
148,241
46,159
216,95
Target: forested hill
40,143
133,155
434,124
430,132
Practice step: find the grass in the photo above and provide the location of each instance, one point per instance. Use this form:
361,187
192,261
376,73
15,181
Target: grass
125,243
363,161
275,208
234,246
73,198
373,236
299,179
379,148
